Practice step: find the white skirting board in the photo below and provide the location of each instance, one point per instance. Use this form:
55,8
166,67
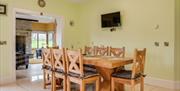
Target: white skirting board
7,80
162,83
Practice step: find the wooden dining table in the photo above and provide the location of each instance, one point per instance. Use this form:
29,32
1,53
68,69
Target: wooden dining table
105,65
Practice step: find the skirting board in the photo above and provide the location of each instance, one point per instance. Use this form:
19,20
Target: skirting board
162,83
7,80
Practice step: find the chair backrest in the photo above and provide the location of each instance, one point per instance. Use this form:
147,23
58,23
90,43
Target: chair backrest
54,47
58,57
89,50
101,51
46,55
138,62
117,52
74,62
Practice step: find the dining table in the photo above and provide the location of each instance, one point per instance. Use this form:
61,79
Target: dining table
106,65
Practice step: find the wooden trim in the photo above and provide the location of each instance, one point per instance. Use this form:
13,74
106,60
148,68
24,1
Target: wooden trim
27,19
47,38
37,40
54,38
43,26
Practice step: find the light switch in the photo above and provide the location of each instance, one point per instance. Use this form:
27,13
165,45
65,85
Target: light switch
166,44
3,42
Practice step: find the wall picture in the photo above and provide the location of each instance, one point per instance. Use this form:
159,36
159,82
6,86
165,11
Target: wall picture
2,9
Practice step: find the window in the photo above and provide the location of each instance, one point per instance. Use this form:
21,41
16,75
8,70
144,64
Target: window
42,39
50,39
34,43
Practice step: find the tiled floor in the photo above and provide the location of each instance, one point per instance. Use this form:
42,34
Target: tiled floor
31,80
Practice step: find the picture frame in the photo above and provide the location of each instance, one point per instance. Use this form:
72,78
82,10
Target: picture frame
3,9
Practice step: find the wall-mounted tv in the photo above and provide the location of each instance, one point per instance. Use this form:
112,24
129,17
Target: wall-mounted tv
111,20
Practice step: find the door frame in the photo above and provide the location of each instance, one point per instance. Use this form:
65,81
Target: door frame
59,31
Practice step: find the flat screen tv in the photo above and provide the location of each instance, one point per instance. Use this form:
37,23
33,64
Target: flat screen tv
111,20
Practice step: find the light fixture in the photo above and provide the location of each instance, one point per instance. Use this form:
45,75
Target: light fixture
41,3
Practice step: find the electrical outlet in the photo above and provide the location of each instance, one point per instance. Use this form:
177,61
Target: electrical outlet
72,47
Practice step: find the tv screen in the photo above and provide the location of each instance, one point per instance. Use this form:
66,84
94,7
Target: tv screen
111,20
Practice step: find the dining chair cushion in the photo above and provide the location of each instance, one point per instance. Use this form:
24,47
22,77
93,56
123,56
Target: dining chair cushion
87,74
119,69
46,67
60,71
89,68
126,74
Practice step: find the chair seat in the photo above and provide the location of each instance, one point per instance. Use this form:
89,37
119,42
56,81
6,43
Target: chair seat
87,74
89,68
119,68
126,74
60,71
46,67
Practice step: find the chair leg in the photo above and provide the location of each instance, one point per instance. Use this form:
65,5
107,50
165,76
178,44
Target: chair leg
97,84
54,83
44,77
132,86
48,77
82,86
64,84
142,83
68,85
112,85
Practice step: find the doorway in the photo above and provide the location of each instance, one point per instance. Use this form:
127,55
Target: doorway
30,41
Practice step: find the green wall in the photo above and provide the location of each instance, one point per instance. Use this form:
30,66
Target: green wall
177,43
139,20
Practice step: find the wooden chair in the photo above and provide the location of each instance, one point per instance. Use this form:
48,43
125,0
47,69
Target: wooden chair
47,67
89,50
76,73
54,47
134,76
101,51
117,52
59,68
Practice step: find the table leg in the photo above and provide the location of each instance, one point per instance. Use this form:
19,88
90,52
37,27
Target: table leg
105,84
119,87
106,75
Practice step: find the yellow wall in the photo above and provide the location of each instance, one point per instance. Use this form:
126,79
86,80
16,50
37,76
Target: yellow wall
62,8
177,43
139,19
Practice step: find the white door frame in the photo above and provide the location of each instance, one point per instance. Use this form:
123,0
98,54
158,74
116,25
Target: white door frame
59,31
